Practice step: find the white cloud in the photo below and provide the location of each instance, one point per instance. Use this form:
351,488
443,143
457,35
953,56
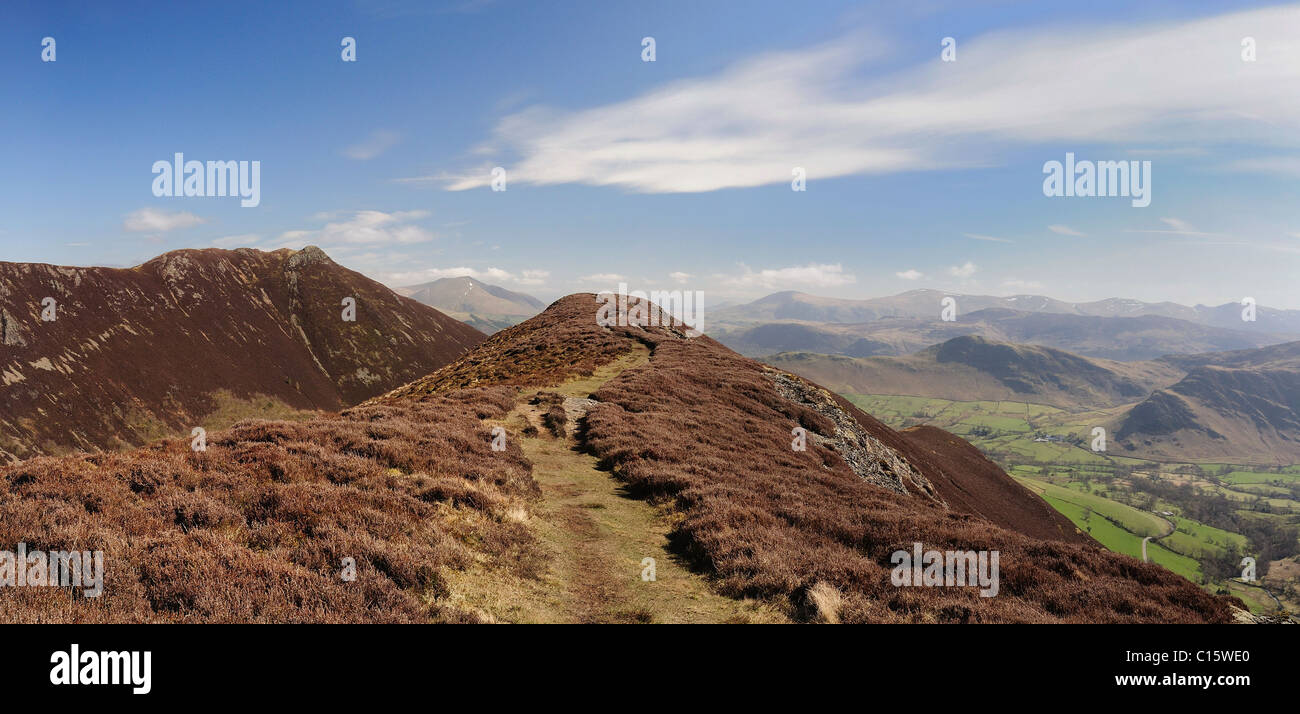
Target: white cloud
1169,82
487,275
363,228
236,241
377,143
993,239
910,275
1065,230
679,277
1282,165
604,278
1177,227
533,277
443,177
152,220
963,271
827,275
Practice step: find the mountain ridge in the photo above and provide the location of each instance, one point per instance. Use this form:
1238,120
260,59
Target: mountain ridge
925,303
133,353
483,306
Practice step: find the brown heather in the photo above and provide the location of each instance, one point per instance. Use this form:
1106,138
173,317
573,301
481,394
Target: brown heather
554,418
151,351
255,528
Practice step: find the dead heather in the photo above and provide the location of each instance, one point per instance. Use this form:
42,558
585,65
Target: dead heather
560,343
257,527
554,418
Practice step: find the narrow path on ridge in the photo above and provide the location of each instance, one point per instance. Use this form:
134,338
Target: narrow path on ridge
595,534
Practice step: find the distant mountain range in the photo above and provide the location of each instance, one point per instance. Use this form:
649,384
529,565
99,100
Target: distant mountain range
485,307
906,323
135,354
925,304
1242,405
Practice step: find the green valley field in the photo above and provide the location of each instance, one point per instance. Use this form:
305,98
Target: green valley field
1201,518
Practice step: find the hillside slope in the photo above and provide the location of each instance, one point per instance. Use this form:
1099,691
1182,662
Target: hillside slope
1251,414
407,487
970,482
134,354
973,368
707,433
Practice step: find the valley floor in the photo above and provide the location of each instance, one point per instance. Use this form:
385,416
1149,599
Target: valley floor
1105,494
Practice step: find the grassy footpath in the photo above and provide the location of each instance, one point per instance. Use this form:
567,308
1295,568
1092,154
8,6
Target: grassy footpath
596,537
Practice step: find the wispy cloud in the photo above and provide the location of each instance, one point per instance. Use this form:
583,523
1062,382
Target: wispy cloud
1165,82
1281,165
363,227
487,275
963,271
910,275
1065,230
991,239
377,143
247,239
823,275
152,220
1177,227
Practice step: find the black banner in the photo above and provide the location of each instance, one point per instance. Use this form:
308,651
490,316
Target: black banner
243,663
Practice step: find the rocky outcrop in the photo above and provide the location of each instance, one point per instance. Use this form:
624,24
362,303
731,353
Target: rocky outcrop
869,458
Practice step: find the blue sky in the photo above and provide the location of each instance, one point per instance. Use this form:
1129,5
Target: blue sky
672,173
